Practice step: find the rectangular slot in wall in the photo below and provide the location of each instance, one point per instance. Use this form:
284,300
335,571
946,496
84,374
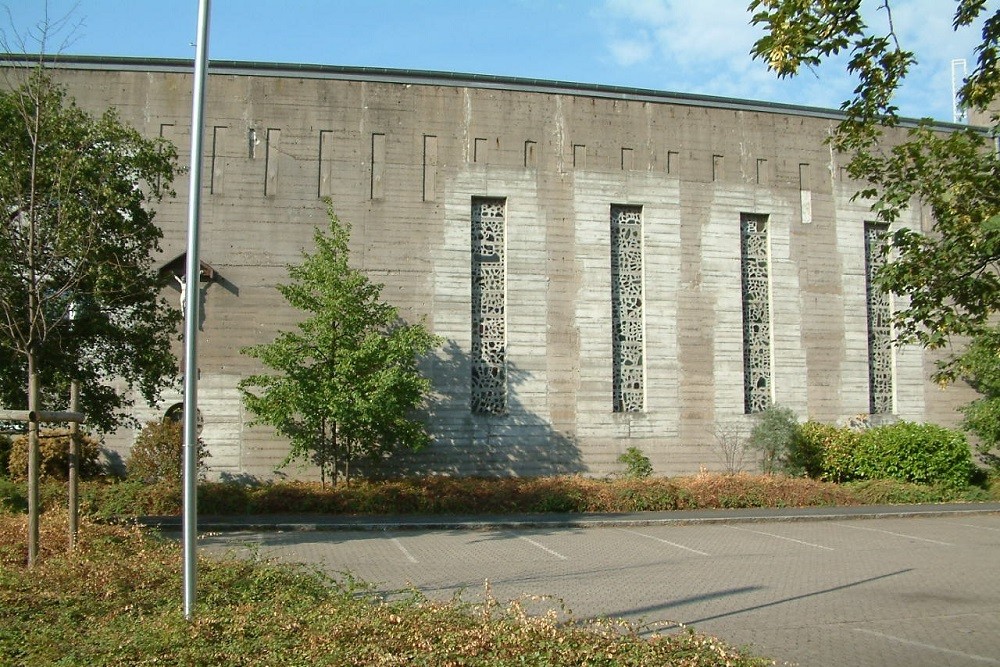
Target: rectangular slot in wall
762,173
430,167
479,145
271,162
805,194
673,162
324,179
579,156
216,171
627,159
529,154
378,166
718,164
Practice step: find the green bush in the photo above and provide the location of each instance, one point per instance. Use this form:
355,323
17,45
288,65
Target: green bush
158,453
773,436
910,452
805,452
840,456
637,465
53,446
982,417
13,496
4,455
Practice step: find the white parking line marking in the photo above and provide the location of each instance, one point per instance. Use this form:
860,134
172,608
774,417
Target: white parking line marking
782,537
652,537
542,547
931,647
889,532
405,551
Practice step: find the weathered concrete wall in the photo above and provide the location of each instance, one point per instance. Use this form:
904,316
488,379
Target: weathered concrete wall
402,160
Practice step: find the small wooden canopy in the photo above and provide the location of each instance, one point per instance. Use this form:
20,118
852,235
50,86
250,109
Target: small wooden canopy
178,267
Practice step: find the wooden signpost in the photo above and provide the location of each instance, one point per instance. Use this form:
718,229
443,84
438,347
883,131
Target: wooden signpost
34,418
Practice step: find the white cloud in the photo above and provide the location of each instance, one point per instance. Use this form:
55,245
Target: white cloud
704,47
630,52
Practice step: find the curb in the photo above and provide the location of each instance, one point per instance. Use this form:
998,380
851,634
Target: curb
286,523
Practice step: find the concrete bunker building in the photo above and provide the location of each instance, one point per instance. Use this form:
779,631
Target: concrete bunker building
609,267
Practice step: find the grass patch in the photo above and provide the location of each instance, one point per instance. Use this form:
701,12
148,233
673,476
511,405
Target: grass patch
115,600
470,495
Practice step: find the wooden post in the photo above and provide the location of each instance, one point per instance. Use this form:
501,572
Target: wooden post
74,463
33,472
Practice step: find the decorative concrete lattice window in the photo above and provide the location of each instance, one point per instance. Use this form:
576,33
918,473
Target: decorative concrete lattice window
489,320
756,313
879,324
626,309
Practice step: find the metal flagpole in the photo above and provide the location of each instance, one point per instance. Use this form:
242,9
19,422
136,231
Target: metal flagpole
191,316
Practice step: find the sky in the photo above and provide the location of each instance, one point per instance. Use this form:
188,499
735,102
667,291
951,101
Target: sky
684,46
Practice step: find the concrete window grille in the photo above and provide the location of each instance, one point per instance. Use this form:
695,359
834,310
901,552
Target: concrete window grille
628,344
489,318
755,259
880,384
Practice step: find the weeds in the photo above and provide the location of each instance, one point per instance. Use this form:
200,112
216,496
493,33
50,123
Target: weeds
517,495
114,601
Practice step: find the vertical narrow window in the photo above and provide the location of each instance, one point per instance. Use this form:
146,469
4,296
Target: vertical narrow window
880,383
627,335
673,162
489,296
251,143
756,313
579,156
718,163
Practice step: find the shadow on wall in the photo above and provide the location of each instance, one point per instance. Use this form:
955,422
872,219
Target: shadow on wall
518,443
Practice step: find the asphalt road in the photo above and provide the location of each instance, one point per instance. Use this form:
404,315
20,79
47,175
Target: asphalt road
842,591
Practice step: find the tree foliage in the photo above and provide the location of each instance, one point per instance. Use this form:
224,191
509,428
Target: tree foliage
949,278
79,294
158,453
347,378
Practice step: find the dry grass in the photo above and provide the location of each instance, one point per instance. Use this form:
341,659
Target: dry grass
115,600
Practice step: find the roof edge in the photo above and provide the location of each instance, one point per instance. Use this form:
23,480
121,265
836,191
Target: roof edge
433,77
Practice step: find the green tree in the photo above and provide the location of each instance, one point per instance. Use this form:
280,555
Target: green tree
950,277
79,292
347,379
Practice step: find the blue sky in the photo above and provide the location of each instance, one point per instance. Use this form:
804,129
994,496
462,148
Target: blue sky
688,46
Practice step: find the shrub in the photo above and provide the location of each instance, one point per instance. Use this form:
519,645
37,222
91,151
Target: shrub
4,455
773,435
909,452
637,464
982,417
805,453
837,450
158,453
53,447
13,496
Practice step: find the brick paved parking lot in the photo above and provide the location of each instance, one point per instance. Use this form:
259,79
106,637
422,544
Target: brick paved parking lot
899,591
